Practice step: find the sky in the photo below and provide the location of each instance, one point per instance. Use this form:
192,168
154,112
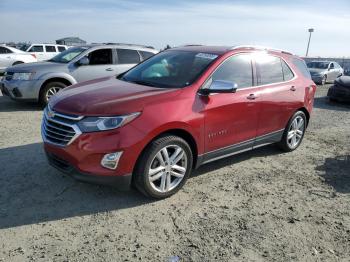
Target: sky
278,24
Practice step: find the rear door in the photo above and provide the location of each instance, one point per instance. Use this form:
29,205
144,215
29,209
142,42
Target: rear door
50,51
278,97
126,59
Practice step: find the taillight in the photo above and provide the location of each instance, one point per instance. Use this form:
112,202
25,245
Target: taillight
33,55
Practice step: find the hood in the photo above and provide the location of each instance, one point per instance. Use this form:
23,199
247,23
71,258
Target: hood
108,96
35,67
316,70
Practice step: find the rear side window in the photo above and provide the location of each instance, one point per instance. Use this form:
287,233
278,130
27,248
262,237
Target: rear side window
127,56
287,72
236,69
61,48
50,48
4,50
145,54
300,64
36,48
270,69
101,57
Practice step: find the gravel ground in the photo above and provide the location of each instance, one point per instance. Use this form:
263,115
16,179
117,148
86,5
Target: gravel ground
263,205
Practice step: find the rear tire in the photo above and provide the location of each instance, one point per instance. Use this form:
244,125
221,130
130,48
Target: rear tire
49,90
294,132
324,80
163,167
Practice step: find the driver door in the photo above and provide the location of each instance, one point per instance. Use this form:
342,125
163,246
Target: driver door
100,65
231,119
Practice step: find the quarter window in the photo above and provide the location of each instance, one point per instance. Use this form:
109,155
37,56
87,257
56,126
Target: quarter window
36,48
61,48
127,56
237,69
50,49
300,64
145,54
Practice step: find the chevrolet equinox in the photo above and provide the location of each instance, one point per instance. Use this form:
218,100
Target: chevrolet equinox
184,107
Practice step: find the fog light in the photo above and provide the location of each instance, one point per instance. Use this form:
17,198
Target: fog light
111,160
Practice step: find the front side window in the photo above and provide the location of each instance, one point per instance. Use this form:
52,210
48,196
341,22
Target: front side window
170,69
36,48
128,56
237,69
50,48
101,57
68,55
269,69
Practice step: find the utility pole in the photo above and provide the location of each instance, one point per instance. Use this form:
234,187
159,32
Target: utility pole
311,30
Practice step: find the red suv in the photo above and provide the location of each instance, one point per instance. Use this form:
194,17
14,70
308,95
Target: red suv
175,111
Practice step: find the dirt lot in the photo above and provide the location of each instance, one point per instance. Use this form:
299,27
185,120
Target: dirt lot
262,205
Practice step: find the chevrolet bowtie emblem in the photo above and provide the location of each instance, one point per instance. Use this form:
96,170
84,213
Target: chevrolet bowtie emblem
51,114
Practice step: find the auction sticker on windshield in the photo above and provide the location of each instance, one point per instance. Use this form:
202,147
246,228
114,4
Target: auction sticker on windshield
206,56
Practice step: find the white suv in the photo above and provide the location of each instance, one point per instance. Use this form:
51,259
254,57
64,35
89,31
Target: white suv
44,52
10,56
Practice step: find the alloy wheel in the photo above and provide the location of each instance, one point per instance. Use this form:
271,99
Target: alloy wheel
295,132
52,91
168,168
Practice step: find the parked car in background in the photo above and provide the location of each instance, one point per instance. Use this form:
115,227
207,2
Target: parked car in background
43,52
40,81
340,91
323,72
10,56
179,109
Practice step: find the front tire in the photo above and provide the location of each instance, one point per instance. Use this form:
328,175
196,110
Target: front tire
294,132
49,90
324,80
163,167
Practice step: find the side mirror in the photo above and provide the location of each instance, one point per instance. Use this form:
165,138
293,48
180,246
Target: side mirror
219,86
83,61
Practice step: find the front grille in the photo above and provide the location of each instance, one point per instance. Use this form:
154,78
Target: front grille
8,75
59,129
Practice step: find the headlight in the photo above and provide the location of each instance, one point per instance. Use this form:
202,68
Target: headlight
23,76
93,124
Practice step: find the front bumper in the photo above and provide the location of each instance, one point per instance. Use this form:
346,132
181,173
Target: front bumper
120,182
22,89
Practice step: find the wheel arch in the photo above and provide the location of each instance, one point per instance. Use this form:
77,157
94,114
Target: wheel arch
54,79
307,114
182,133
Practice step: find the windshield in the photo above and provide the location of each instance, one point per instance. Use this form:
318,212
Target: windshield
170,69
318,65
68,55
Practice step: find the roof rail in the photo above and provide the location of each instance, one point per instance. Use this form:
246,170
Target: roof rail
146,46
260,48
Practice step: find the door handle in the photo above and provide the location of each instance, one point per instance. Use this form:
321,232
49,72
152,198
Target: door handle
292,88
109,69
252,97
